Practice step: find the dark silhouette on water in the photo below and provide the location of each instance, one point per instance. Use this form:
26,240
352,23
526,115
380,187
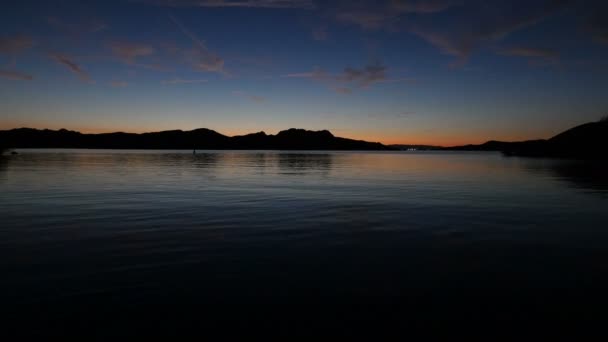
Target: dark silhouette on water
581,174
587,141
4,150
201,139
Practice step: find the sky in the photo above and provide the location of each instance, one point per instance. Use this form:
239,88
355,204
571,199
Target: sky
439,72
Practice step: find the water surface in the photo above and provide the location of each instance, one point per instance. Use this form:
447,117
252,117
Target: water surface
87,235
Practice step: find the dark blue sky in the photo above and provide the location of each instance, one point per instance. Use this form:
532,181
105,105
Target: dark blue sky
434,71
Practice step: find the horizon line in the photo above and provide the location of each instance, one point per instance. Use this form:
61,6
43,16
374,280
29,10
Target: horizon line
213,130
444,145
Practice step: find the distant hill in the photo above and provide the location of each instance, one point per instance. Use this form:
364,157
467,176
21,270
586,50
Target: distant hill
587,141
292,139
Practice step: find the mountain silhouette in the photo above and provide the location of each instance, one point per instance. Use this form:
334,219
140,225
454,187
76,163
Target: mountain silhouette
203,139
587,141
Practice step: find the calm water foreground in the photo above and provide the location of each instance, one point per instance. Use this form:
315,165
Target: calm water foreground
166,242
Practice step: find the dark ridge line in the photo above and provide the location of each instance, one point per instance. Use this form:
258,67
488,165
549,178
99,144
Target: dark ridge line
202,139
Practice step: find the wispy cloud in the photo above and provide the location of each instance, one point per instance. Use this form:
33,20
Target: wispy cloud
201,58
410,80
350,77
368,19
492,23
15,44
205,61
317,74
529,52
365,76
343,90
301,4
15,75
183,81
348,74
119,84
423,6
372,15
136,55
129,52
72,66
447,45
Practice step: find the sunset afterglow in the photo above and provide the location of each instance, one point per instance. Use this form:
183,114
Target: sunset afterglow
439,72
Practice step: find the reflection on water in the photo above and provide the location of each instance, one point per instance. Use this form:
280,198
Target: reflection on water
301,163
3,163
203,160
582,174
592,176
587,175
85,233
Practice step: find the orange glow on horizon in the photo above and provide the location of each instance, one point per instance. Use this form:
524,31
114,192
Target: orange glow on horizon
394,139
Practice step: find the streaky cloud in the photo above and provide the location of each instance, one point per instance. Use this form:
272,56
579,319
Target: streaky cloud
132,53
492,23
343,90
530,52
15,44
15,75
445,44
200,57
368,19
184,81
304,74
398,80
362,78
129,52
72,66
119,84
277,4
365,76
372,15
423,6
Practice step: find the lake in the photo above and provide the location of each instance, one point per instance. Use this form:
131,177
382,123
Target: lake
167,242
